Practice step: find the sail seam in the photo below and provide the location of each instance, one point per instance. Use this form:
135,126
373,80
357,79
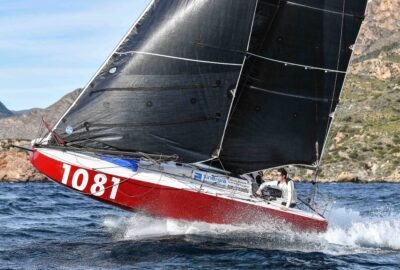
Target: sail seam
238,81
297,65
160,88
188,121
99,70
179,58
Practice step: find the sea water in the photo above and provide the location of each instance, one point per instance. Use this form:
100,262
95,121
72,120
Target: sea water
45,226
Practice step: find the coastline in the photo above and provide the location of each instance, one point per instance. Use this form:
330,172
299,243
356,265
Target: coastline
16,167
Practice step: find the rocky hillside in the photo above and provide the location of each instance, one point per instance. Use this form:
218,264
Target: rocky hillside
377,53
15,165
380,29
27,126
19,130
365,138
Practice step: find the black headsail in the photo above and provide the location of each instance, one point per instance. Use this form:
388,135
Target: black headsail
291,82
166,88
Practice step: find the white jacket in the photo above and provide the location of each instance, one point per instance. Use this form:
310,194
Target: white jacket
289,194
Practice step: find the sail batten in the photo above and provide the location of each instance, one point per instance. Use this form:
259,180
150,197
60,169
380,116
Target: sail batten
180,58
291,95
296,64
340,13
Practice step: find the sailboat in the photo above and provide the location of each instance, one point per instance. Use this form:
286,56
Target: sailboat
199,96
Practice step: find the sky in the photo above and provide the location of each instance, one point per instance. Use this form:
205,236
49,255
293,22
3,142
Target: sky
49,48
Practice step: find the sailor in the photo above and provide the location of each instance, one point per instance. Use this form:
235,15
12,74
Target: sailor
284,184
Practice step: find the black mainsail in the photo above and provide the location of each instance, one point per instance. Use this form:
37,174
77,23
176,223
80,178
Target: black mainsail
291,82
252,82
166,89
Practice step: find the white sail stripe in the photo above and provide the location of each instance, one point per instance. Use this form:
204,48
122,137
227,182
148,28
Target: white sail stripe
295,64
289,95
319,9
179,58
237,83
101,68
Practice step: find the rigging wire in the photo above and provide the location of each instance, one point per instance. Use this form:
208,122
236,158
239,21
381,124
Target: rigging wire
40,129
319,156
351,98
226,174
238,81
337,67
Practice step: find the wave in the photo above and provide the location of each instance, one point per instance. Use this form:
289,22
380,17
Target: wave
348,232
348,228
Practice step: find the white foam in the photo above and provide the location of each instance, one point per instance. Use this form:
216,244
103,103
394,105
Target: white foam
349,228
139,226
348,232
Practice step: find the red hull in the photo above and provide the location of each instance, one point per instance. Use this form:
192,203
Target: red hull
164,201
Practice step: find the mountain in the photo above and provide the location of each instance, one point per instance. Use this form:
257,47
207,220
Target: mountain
19,130
4,112
378,47
364,140
21,112
26,126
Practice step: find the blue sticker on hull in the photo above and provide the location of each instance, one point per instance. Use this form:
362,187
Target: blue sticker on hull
123,162
198,176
